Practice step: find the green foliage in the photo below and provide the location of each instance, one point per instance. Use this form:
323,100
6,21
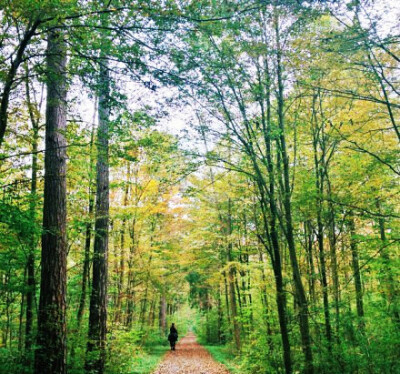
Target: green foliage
129,355
260,355
224,356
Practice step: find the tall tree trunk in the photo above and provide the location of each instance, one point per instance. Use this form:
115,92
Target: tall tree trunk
86,261
88,237
30,263
96,348
142,317
264,296
152,313
268,203
231,281
221,335
233,306
308,234
51,353
143,309
9,298
334,262
249,288
269,210
280,298
319,165
130,291
121,268
324,280
163,313
226,293
356,268
300,293
21,316
391,292
120,274
241,304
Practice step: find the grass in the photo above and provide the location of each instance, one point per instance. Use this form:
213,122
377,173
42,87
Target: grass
144,361
221,354
148,361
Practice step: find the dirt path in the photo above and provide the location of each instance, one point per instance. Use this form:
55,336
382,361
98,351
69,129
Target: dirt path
189,358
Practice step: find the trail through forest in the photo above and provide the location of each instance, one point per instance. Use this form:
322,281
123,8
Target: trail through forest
189,357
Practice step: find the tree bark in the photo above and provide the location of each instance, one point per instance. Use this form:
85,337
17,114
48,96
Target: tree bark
121,268
30,263
96,348
391,292
130,291
86,262
356,269
51,353
231,282
300,293
310,260
163,313
221,334
334,262
270,225
319,166
88,239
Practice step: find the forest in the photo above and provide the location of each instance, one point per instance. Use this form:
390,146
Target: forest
230,166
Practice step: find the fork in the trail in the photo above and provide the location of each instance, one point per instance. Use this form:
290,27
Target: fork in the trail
189,358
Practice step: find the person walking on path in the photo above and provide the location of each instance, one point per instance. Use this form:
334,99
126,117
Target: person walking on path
173,336
190,357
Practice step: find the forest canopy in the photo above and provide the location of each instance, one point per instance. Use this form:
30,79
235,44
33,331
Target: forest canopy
231,166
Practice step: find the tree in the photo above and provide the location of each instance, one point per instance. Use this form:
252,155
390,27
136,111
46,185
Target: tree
51,353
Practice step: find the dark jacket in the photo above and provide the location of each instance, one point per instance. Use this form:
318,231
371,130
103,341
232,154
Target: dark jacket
173,334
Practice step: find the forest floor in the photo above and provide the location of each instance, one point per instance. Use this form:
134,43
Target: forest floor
189,358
